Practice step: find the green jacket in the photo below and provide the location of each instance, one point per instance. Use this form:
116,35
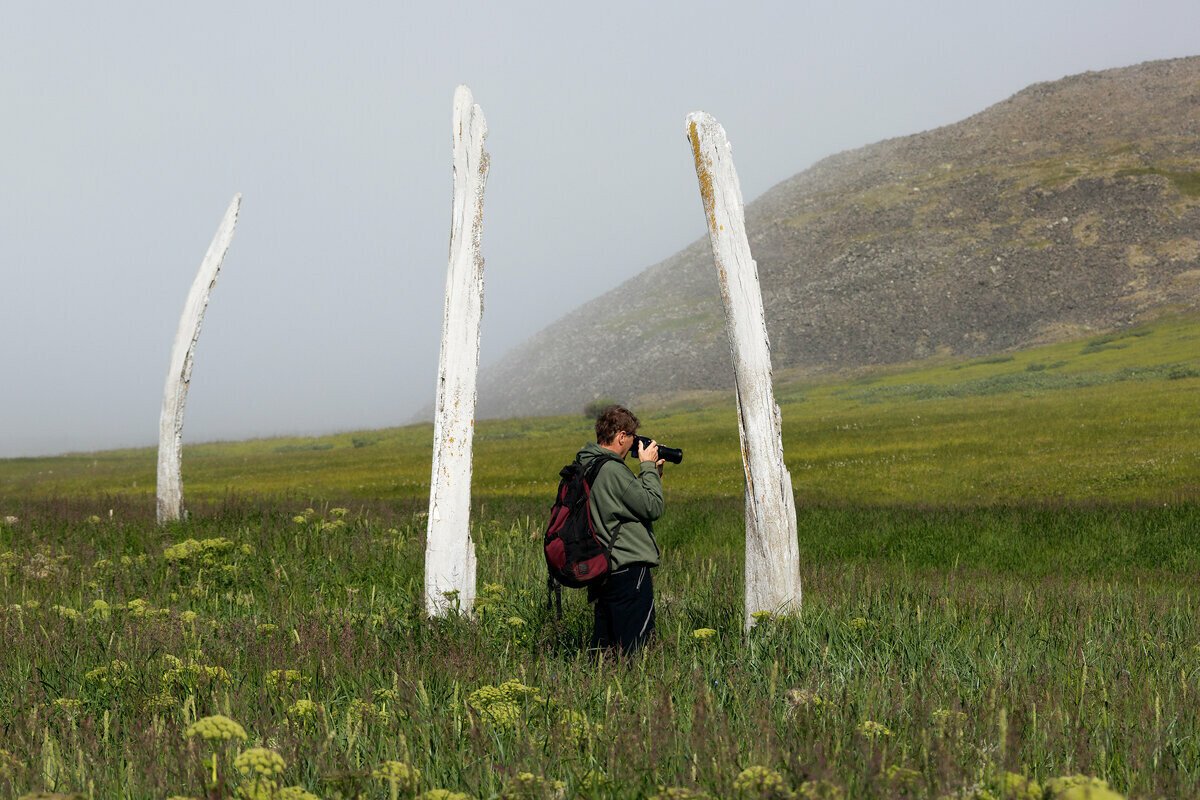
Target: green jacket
628,502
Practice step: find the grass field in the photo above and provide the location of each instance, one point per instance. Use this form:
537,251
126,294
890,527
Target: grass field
1000,563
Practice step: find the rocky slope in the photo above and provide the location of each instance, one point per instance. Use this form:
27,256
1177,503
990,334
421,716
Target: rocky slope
1073,206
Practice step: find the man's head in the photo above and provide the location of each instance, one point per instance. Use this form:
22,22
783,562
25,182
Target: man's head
615,428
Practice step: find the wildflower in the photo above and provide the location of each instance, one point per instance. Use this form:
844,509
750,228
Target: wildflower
63,611
761,782
1014,786
1080,787
400,776
114,675
500,705
444,794
679,793
267,628
366,711
386,695
32,605
126,561
68,705
102,564
527,786
339,512
259,762
296,793
139,607
286,679
944,718
858,623
188,617
247,549
493,588
302,710
820,790
760,616
205,551
516,622
593,780
332,525
873,730
94,519
703,633
216,728
299,519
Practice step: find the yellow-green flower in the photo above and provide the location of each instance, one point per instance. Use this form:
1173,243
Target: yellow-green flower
399,775
286,679
858,623
759,781
820,790
267,628
99,610
188,617
69,705
94,519
63,611
527,786
296,793
516,622
501,705
339,512
216,728
679,793
1014,786
259,762
444,794
873,730
301,710
703,633
1080,787
759,616
299,519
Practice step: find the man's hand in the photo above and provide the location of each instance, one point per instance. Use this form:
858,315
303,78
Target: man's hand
649,453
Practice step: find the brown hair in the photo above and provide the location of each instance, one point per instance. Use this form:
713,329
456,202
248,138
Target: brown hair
613,420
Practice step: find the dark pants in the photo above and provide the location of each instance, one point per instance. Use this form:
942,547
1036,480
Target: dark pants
624,609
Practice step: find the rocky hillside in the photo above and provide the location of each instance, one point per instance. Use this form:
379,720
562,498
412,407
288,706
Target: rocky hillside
1073,206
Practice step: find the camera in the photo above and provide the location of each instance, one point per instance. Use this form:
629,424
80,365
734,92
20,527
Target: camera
665,453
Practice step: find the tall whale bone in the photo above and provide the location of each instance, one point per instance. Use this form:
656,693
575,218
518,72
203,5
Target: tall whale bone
179,373
772,550
449,550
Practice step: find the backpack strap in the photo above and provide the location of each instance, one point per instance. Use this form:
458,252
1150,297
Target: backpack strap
590,476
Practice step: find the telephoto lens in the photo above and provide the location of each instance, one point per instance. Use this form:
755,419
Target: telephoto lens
671,454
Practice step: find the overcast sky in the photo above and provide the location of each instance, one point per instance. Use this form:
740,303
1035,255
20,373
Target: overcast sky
127,127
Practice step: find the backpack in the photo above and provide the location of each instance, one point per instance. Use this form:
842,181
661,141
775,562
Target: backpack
576,556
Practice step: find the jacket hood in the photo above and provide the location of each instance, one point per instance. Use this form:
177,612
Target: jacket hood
590,451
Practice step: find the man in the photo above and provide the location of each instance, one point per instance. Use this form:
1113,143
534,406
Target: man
624,506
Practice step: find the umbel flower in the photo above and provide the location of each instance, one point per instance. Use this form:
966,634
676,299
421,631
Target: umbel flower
758,781
873,730
216,728
259,762
703,633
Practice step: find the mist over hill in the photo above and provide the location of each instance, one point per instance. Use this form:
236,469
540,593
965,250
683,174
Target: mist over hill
1073,206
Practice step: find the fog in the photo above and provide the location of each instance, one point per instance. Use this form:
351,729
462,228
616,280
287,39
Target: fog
127,127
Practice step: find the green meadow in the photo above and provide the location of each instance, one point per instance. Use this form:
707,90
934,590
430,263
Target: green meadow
999,560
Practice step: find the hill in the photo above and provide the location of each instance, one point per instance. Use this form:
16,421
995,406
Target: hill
1071,208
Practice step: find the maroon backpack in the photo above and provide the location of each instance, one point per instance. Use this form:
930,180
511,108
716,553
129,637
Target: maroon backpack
575,554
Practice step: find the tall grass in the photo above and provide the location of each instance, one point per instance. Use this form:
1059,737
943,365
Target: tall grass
999,573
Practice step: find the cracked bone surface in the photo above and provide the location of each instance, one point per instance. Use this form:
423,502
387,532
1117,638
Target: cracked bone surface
449,550
772,550
179,373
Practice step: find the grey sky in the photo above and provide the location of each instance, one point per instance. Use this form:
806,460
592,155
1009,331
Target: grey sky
127,127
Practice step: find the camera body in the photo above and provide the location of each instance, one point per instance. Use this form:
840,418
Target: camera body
665,453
